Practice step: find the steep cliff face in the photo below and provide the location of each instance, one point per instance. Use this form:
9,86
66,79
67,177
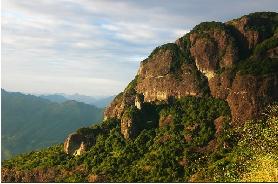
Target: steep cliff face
213,48
250,94
115,109
166,73
214,59
220,85
254,28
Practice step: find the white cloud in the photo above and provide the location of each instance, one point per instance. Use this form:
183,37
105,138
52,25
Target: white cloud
180,32
95,47
134,33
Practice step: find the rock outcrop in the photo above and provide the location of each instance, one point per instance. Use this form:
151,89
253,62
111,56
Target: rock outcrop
250,94
213,48
255,27
116,108
130,122
166,73
74,144
220,84
208,62
80,141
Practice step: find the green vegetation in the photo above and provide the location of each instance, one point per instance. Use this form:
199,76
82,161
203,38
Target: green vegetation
198,114
252,63
254,157
156,154
264,15
261,48
206,26
130,89
185,43
264,22
167,46
185,150
258,63
52,156
131,112
30,123
258,67
177,54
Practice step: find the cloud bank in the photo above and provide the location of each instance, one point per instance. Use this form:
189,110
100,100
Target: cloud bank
94,47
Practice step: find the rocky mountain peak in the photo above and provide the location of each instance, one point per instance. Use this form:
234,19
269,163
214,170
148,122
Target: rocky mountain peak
234,61
214,59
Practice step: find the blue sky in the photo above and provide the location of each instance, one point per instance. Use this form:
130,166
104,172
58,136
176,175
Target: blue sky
94,47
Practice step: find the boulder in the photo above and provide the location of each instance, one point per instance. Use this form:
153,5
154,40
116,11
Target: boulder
75,144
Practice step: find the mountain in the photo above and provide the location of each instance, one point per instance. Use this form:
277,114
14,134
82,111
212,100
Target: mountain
30,123
54,98
202,109
99,102
81,98
103,102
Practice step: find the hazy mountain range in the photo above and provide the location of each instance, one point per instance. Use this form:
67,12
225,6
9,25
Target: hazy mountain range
100,102
29,122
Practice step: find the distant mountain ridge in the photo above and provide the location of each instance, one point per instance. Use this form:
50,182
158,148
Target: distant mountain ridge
29,122
54,98
100,102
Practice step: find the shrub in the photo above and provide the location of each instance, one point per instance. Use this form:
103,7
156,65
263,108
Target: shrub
261,48
130,89
205,26
258,67
263,168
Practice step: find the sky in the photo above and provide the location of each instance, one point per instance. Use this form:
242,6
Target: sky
94,47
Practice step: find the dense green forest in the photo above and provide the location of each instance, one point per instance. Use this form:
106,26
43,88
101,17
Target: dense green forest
29,122
174,153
